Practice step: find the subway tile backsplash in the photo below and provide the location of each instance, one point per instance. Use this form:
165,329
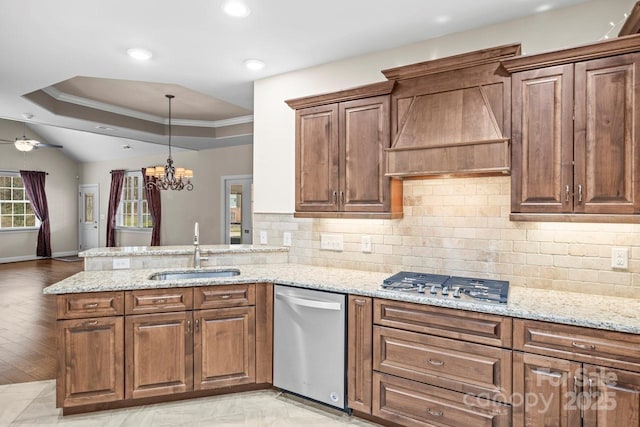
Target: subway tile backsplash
460,226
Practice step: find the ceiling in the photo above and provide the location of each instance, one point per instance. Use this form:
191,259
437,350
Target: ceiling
65,62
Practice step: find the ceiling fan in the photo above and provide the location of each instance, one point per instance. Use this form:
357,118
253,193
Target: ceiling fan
26,144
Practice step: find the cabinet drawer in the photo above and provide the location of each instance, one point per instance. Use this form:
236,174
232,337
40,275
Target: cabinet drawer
607,348
409,403
93,304
445,322
224,296
158,300
456,365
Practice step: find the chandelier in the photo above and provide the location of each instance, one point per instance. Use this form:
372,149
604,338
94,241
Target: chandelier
169,177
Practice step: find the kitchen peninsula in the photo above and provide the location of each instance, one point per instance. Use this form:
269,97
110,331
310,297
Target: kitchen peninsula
209,322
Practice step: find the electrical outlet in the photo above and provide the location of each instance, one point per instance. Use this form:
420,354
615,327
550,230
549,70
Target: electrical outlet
286,238
366,244
263,238
121,263
331,242
620,258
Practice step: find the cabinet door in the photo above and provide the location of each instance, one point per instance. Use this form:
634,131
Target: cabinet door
612,397
317,159
360,353
542,140
364,134
159,354
607,157
546,391
90,361
225,347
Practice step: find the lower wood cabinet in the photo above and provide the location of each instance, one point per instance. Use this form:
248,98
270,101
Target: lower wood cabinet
125,355
410,403
570,376
90,361
159,354
224,347
359,353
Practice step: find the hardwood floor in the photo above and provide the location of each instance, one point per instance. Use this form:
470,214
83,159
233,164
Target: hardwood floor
27,319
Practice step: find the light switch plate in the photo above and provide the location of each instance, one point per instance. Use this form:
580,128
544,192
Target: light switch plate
620,258
121,263
286,238
263,238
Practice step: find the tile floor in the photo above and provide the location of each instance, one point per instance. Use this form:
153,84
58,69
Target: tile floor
33,404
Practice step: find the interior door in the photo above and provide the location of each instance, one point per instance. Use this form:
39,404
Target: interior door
238,226
88,216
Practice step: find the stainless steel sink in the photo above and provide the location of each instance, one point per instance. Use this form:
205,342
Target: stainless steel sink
194,274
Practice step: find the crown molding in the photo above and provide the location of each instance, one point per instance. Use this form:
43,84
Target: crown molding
110,108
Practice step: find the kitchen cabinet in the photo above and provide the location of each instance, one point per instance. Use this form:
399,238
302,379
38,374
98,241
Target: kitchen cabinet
359,353
90,348
120,346
90,361
439,366
573,376
575,143
224,348
159,354
340,157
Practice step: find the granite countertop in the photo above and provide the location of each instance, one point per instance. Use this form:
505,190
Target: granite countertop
594,311
128,251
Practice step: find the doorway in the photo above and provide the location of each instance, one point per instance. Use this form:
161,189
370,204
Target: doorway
88,216
237,206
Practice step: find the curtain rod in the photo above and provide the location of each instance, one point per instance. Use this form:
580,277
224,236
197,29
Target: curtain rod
126,170
11,171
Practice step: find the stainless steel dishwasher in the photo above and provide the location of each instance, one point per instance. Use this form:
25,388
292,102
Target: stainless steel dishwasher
309,344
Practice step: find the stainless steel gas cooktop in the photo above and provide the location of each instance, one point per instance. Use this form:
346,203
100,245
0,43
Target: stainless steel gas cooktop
452,287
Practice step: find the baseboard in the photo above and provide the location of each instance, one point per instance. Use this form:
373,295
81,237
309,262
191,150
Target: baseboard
33,257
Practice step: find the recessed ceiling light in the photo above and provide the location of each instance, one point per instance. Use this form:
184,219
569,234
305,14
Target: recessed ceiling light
254,64
443,19
139,53
544,7
236,9
126,147
102,127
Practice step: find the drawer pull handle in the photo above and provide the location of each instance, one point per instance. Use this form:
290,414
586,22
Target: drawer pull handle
91,323
188,326
197,323
435,362
434,413
583,346
160,301
91,305
227,296
546,372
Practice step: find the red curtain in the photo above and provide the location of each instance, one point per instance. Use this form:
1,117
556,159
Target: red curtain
34,186
155,207
117,180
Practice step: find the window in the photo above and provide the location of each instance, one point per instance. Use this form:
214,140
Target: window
15,208
133,211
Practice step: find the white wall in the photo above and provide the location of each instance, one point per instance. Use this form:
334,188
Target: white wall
61,186
274,125
180,209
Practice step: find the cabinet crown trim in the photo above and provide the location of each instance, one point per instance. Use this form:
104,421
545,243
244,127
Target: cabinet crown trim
601,49
366,91
456,62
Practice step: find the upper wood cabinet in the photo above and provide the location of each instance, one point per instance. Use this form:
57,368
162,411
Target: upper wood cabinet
340,163
575,131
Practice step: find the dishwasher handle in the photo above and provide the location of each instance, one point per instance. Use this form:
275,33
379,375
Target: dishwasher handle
303,302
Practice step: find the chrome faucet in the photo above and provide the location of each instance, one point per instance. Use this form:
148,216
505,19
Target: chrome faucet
196,250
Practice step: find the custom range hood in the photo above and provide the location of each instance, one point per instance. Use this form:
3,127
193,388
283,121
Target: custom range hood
451,116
